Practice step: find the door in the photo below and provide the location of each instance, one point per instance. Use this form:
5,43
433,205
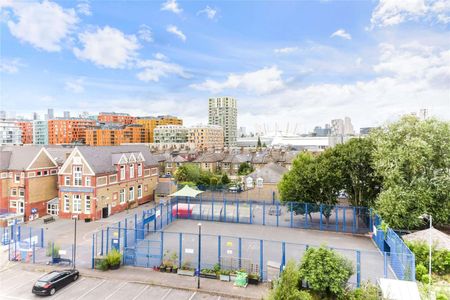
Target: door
104,212
20,206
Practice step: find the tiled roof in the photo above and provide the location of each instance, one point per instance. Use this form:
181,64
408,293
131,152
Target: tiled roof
270,173
210,157
439,238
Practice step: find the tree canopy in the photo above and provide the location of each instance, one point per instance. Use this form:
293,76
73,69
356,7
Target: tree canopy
191,173
413,158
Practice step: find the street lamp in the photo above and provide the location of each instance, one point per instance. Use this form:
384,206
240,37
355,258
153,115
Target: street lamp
199,253
75,218
428,217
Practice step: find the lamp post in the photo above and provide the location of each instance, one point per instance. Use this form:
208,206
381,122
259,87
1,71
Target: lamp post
75,218
199,253
428,217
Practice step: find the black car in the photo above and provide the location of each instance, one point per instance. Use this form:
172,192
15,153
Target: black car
53,281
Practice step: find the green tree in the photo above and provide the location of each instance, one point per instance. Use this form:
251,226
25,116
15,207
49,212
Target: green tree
225,179
258,144
325,271
245,168
287,286
413,158
188,172
355,162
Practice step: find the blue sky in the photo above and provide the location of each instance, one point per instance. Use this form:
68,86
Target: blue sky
297,62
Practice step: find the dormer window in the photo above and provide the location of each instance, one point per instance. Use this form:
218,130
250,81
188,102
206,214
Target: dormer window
131,171
122,172
77,175
139,170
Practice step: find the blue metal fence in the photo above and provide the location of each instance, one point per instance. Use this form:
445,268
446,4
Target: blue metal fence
23,242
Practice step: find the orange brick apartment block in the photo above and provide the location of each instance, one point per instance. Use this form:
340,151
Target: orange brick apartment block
66,131
27,131
95,182
116,135
112,117
150,123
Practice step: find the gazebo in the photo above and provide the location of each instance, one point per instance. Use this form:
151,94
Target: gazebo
184,210
187,192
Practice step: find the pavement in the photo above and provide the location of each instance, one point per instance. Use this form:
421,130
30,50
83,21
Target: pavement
125,283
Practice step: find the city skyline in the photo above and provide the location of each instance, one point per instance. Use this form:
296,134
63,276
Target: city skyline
371,62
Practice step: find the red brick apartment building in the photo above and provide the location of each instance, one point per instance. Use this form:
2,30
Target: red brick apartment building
27,131
112,117
67,131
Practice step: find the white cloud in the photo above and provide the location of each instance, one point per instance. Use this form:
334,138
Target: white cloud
174,30
342,34
10,66
160,56
285,50
171,5
153,70
75,85
84,8
145,33
393,12
107,47
208,11
44,25
262,81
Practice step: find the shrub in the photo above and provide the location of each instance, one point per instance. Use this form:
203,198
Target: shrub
420,271
440,258
55,249
325,271
367,291
287,286
441,297
103,265
113,258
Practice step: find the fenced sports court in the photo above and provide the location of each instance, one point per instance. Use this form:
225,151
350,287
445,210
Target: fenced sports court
234,242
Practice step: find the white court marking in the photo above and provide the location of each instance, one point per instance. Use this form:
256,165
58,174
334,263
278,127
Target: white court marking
116,290
141,292
96,286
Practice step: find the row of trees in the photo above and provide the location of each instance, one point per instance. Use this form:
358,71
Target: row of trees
192,174
402,170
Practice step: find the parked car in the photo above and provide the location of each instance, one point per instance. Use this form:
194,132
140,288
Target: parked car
53,281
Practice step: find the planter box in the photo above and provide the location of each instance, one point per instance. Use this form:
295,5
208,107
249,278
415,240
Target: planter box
208,275
224,277
232,277
185,272
114,267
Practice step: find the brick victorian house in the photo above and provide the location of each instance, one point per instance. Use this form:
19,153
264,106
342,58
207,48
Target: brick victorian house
95,182
28,178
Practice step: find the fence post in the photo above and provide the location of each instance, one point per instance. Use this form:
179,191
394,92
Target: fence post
34,253
9,249
118,237
107,240
278,211
292,215
125,238
385,264
212,209
160,215
251,212
225,210
53,250
240,252
261,259
343,220
321,211
200,206
93,251
180,257
337,218
354,220
219,252
283,254
358,268
264,213
306,215
162,245
29,236
237,211
42,237
135,230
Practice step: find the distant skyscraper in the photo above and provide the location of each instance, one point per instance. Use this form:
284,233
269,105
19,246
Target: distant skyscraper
242,131
337,127
348,126
40,132
67,115
50,114
35,116
223,112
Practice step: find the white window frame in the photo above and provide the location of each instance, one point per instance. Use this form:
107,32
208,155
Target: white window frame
87,203
87,181
16,175
154,172
122,172
139,191
15,192
66,180
76,203
122,196
66,203
13,203
140,170
21,192
131,171
131,193
77,176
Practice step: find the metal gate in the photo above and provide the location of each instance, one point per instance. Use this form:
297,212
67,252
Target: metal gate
146,253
